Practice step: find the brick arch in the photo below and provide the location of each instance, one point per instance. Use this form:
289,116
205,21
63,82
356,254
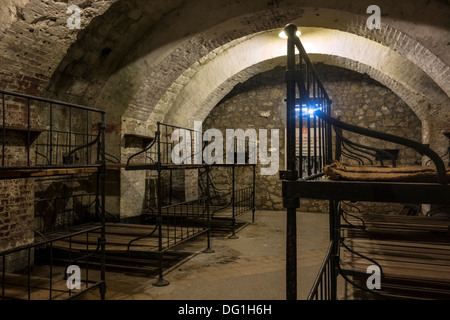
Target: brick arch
427,65
143,62
34,39
195,93
134,26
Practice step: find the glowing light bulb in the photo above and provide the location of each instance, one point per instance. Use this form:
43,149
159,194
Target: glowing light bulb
283,35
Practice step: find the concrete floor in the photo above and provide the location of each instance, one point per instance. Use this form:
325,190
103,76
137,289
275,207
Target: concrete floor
251,267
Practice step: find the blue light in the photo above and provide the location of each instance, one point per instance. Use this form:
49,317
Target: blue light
307,110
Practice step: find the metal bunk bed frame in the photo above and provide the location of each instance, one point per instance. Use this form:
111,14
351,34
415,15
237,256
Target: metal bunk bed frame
159,152
306,93
59,160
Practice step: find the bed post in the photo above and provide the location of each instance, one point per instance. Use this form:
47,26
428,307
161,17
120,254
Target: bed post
291,174
208,217
330,133
253,194
161,282
334,217
338,148
102,143
233,201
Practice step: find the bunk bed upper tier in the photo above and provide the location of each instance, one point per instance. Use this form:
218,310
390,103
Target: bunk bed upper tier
415,184
44,137
408,184
176,147
309,118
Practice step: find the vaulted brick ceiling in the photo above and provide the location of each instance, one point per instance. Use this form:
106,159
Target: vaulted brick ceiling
173,60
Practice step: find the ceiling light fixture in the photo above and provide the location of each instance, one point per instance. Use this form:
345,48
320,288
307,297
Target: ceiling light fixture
283,35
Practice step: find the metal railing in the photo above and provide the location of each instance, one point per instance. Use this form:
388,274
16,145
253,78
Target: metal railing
39,133
56,287
183,221
360,153
175,223
63,147
308,139
64,134
243,200
66,211
151,194
188,145
322,288
159,152
417,146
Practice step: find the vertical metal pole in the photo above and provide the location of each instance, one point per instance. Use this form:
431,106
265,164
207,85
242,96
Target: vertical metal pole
70,132
51,270
103,203
338,147
28,133
51,134
334,236
208,218
87,259
87,137
233,201
4,132
308,122
330,144
161,281
319,124
3,276
57,149
291,173
253,194
170,186
29,274
315,145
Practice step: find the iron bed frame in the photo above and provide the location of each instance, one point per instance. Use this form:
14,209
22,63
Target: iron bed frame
157,156
306,93
67,142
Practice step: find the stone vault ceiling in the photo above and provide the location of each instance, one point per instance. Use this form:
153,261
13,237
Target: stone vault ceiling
172,60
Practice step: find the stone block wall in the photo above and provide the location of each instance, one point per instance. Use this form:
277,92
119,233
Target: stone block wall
16,220
259,103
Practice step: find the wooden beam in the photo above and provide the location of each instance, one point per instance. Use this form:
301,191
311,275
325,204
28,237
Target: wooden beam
43,172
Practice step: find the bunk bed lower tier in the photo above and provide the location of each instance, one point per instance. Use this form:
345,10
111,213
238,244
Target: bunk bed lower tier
44,275
221,219
413,251
131,248
122,238
378,184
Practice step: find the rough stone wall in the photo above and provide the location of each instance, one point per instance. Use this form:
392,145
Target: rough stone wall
259,103
34,39
359,100
16,220
64,201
